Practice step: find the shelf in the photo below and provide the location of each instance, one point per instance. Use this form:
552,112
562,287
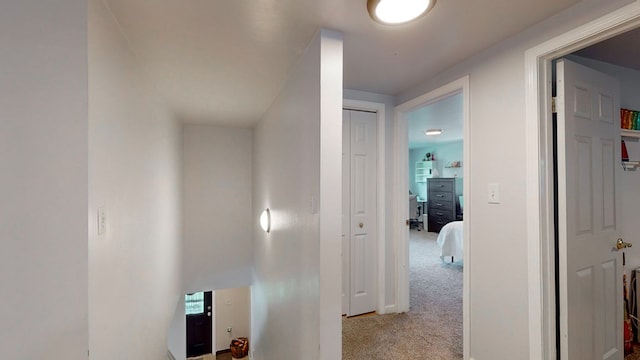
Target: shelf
631,134
630,165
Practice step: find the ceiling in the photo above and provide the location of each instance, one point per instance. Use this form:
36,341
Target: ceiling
224,61
445,114
620,50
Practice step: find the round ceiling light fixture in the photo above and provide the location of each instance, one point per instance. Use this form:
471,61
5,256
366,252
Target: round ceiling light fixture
393,12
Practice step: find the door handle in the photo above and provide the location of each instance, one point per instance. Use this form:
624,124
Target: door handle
361,225
620,244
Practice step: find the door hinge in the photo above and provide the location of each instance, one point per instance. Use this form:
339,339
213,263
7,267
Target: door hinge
553,105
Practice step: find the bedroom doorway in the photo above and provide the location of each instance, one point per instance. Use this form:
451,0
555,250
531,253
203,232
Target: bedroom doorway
408,172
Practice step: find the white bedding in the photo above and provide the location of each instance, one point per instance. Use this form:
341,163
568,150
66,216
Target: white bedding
451,241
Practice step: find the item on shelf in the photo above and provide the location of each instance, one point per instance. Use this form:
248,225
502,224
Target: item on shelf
625,153
629,119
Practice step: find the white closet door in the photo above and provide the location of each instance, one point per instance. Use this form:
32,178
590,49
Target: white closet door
362,222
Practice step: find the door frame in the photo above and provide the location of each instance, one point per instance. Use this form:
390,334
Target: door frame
539,167
380,110
401,189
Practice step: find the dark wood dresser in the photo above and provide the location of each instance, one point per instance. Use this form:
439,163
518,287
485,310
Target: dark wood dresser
441,202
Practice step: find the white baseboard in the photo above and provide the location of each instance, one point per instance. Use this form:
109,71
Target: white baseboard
390,309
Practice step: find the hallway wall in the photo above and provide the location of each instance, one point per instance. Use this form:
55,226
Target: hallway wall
43,179
295,297
499,314
233,310
218,226
135,150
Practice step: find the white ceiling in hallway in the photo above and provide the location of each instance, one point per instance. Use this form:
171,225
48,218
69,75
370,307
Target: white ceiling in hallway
224,61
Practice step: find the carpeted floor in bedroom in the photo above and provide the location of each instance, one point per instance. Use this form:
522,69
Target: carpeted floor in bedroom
431,330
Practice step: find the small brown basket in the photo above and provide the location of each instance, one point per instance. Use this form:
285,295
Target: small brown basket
239,347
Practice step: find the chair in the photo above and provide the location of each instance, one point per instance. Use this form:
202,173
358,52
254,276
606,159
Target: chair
414,213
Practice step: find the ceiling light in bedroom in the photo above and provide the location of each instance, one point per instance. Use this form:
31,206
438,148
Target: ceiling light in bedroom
432,132
398,11
265,220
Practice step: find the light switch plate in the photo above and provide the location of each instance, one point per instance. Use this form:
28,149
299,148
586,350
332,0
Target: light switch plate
102,221
494,193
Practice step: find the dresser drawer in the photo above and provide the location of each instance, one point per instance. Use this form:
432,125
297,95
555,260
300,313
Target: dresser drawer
440,185
439,214
436,225
440,205
441,196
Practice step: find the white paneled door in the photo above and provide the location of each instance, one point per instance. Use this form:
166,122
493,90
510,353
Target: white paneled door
590,268
359,249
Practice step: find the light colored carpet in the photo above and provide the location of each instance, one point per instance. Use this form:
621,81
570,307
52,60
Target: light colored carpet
432,329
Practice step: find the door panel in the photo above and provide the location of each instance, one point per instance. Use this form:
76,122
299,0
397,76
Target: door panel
346,209
590,270
359,211
199,324
363,212
360,185
360,285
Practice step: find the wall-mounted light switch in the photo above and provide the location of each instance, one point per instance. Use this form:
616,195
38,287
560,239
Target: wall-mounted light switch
102,221
494,193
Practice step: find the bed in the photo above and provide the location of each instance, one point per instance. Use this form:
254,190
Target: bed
451,241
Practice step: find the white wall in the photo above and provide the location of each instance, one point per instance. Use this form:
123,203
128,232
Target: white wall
43,179
233,309
296,302
218,226
498,288
177,341
135,174
630,183
390,260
